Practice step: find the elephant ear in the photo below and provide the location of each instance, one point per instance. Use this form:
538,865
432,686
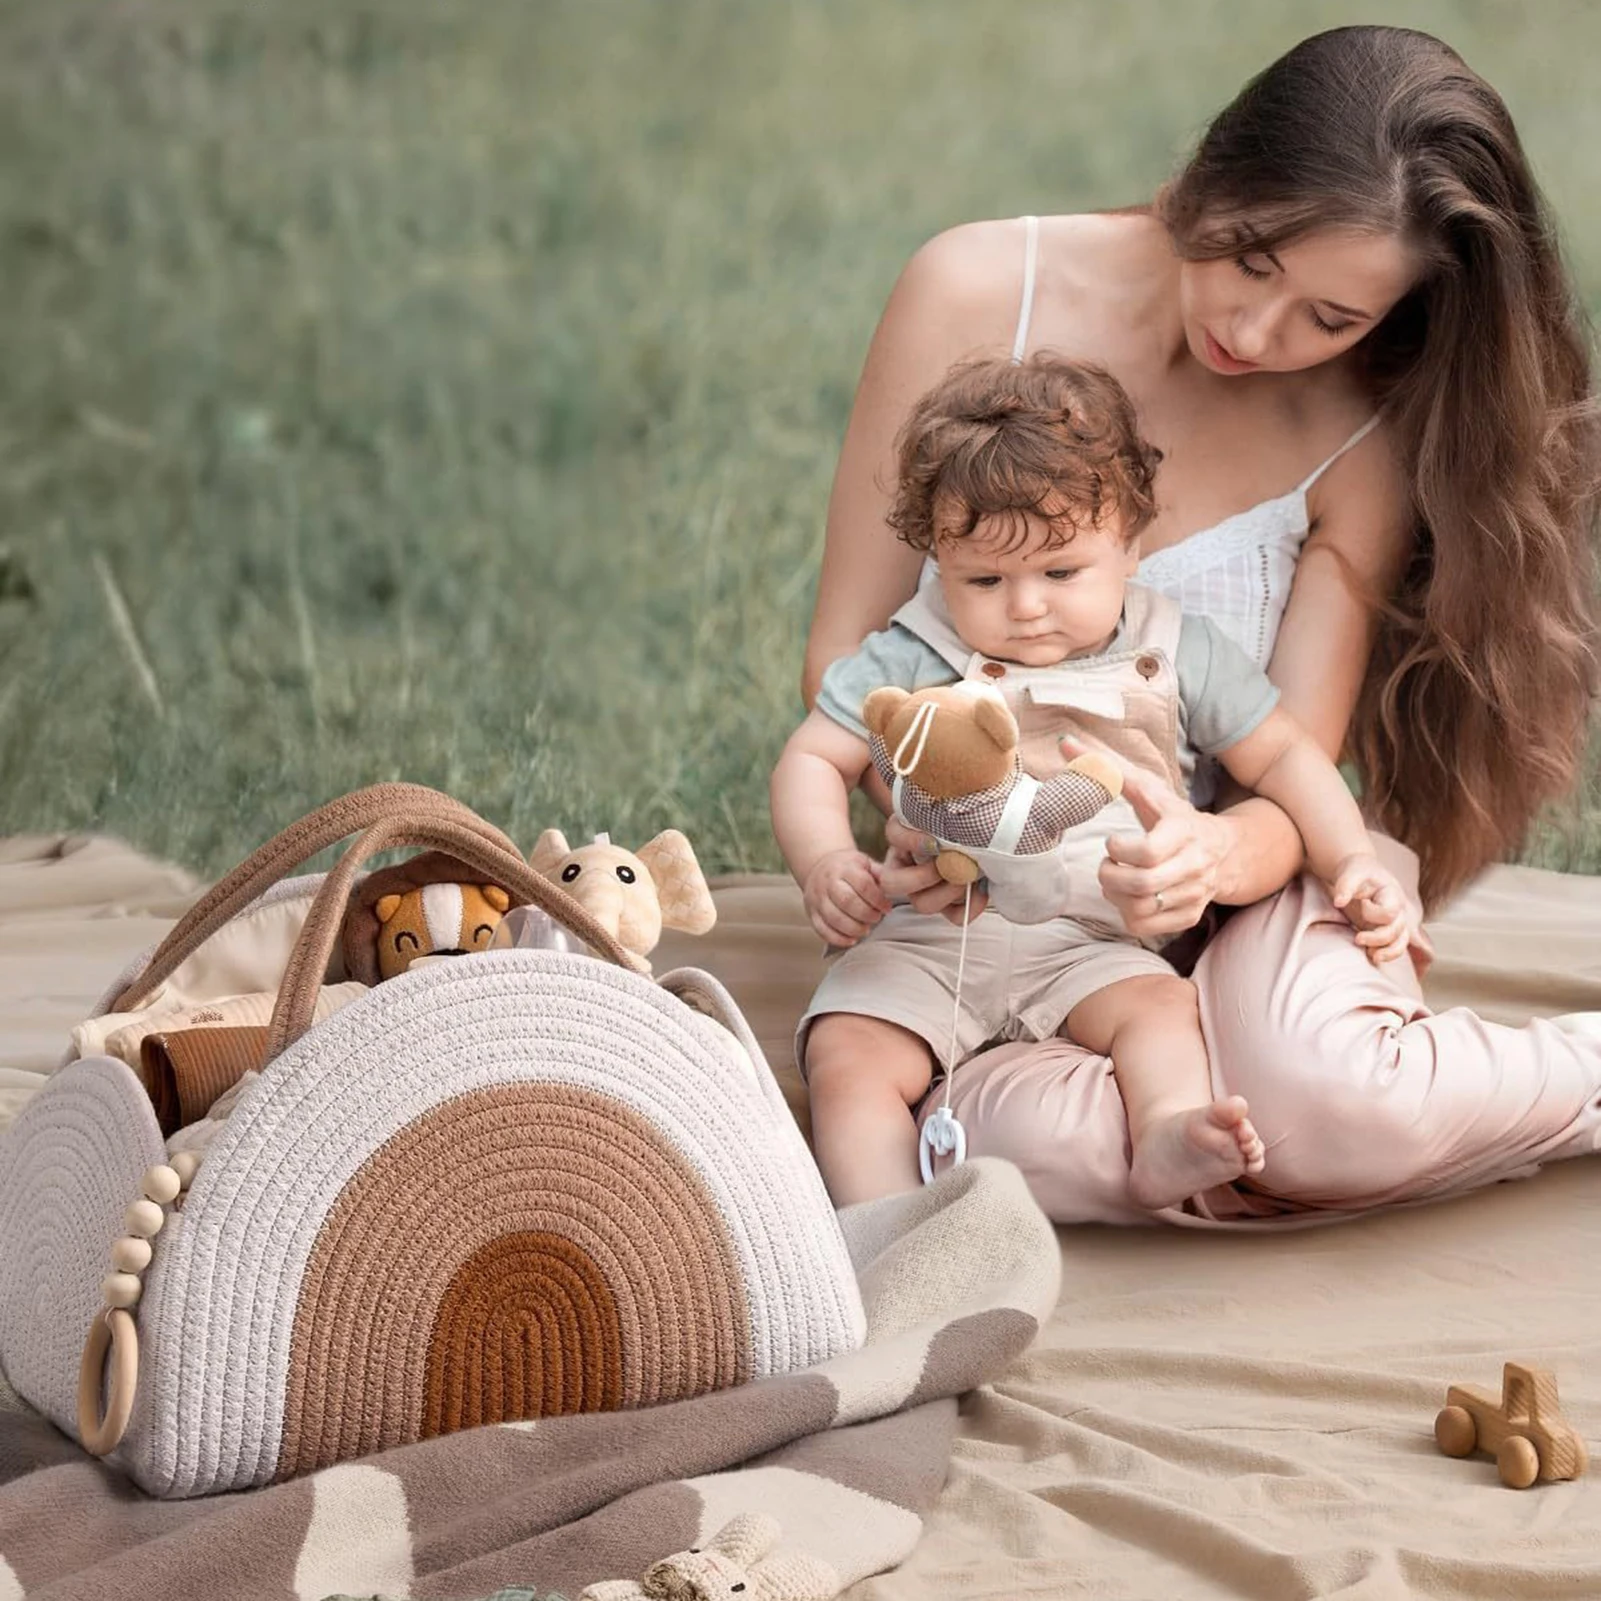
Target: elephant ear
549,851
686,900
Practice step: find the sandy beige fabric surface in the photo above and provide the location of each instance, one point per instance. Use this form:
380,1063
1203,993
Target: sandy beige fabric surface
1207,1415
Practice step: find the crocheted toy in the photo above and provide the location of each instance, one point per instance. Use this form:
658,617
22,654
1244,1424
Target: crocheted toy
432,905
734,1562
631,894
950,756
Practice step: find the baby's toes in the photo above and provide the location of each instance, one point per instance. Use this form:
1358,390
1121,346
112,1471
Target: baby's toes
1230,1113
1254,1153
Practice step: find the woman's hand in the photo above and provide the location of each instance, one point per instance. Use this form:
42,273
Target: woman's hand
909,873
1161,881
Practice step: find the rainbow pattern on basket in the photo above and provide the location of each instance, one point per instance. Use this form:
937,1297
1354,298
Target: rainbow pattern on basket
514,1186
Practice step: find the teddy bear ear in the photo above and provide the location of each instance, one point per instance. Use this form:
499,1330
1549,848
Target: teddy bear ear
681,887
991,714
495,895
551,848
386,906
880,707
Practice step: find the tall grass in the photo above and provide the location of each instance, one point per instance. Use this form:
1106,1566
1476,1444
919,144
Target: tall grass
452,391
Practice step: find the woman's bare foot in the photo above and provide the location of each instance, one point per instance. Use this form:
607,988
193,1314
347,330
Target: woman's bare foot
1193,1150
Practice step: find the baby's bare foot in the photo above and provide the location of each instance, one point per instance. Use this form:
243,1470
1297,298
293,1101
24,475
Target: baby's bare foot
1194,1150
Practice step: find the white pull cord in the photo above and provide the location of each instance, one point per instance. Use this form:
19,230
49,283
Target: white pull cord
943,1134
922,722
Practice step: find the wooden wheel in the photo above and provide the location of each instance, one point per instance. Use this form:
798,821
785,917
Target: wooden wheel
1518,1462
1456,1431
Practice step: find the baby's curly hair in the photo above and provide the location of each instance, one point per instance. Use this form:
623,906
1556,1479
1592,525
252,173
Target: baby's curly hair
1046,437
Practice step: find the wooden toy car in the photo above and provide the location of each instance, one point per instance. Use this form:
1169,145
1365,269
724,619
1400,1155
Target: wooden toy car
1529,1437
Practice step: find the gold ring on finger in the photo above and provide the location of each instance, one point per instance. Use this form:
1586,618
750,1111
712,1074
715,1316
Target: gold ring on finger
1160,905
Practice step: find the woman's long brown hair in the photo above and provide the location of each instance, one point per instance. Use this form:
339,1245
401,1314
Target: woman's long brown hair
1475,706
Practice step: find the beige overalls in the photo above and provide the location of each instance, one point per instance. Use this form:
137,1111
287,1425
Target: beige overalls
1021,980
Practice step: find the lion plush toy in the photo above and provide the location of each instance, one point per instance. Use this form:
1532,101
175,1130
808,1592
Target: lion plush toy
633,895
950,757
432,905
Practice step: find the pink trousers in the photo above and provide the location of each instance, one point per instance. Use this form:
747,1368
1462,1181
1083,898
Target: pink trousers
1364,1097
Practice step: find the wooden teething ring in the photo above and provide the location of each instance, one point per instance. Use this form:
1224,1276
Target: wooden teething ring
113,1330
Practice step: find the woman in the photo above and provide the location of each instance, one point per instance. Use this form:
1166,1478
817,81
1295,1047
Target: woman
1347,327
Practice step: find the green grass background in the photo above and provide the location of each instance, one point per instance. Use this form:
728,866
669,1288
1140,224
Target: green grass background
452,391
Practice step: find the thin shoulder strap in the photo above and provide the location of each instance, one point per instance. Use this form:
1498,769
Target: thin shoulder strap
1014,815
1025,313
1355,439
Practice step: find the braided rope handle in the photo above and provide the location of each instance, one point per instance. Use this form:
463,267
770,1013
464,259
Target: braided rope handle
386,816
285,852
297,995
704,994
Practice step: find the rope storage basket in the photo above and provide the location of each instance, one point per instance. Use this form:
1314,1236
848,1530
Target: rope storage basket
508,1185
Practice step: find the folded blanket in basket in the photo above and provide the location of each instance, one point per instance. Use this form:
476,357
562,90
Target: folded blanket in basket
121,1034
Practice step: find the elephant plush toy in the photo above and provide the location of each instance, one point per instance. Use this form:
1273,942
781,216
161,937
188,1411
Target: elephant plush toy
736,1561
631,894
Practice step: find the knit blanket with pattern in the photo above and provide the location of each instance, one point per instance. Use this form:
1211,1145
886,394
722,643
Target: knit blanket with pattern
848,1456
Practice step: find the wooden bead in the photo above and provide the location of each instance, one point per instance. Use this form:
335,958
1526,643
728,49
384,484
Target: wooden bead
185,1164
130,1254
121,1289
955,867
161,1184
144,1218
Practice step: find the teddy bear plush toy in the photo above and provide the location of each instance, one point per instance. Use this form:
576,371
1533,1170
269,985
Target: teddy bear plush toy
736,1561
633,895
431,905
951,760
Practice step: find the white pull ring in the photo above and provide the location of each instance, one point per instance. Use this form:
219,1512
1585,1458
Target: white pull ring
943,1135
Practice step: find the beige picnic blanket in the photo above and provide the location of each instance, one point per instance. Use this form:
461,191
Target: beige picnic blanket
1206,1415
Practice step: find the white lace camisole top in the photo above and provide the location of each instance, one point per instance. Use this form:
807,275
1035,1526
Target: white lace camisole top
1237,572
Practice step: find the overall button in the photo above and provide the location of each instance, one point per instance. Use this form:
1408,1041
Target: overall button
994,670
1147,666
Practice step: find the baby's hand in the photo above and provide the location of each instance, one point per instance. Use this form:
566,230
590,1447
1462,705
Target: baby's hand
1374,903
843,897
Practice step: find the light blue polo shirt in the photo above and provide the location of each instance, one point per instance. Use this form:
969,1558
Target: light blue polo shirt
1223,694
